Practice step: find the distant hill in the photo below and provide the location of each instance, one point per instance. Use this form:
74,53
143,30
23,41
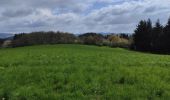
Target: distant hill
6,35
103,33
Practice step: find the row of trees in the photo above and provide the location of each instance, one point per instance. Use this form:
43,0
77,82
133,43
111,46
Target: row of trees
152,38
36,38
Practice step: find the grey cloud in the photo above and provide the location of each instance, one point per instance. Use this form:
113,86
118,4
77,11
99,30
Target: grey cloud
150,9
72,16
17,12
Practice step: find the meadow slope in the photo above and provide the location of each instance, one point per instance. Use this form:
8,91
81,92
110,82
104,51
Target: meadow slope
64,72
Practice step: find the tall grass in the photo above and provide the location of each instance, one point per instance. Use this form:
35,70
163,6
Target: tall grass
57,72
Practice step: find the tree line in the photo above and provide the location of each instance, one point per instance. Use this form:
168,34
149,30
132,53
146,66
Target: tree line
152,38
37,38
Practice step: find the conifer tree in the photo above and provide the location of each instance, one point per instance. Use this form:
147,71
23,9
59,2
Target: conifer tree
157,33
166,37
142,36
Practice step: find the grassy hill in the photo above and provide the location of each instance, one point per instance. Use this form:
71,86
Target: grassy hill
61,72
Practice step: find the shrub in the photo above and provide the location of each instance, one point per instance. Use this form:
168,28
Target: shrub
7,43
91,39
117,41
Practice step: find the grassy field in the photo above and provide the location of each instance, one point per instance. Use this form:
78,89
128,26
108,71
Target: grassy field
78,72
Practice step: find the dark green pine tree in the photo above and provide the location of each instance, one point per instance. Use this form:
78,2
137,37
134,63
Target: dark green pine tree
157,33
142,36
138,36
166,37
148,35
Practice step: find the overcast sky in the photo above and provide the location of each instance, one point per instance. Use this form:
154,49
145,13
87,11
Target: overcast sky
79,16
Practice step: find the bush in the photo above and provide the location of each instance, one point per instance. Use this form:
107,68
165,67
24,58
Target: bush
117,41
7,43
91,39
1,42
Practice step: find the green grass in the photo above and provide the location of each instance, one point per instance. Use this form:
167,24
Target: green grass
79,72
